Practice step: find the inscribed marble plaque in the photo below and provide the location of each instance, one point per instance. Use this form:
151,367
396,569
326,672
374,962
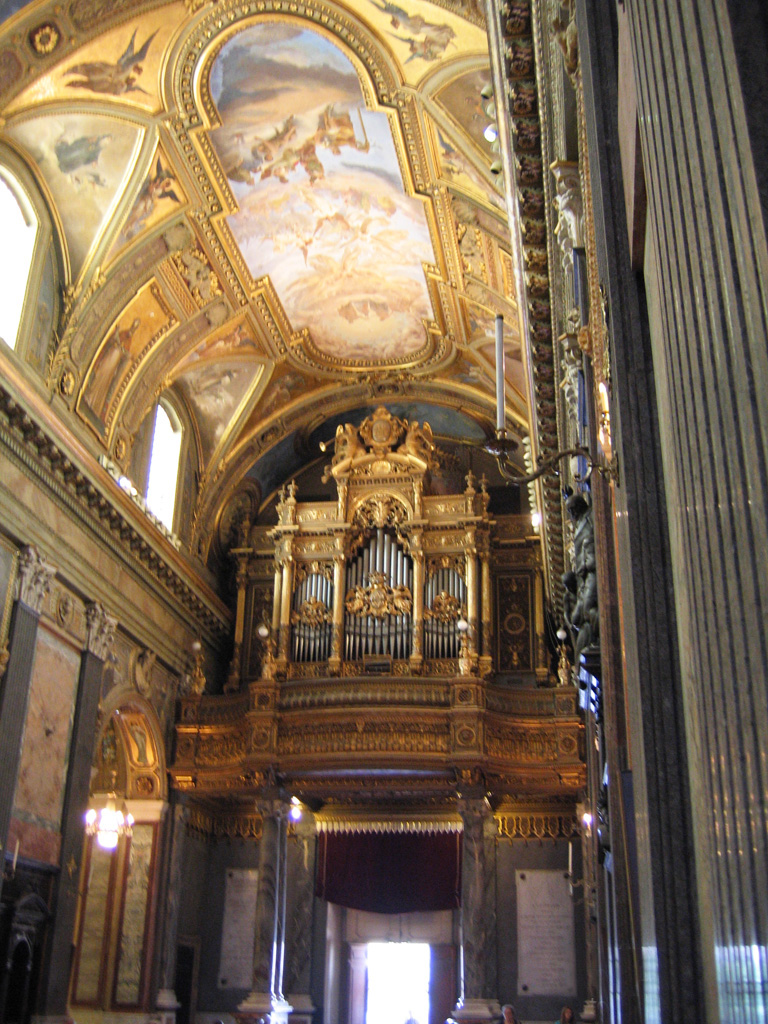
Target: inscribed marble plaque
545,940
236,963
137,894
94,916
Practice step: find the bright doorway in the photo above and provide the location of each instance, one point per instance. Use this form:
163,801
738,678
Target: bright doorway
398,983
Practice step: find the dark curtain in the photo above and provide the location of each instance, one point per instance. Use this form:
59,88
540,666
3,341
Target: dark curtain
390,873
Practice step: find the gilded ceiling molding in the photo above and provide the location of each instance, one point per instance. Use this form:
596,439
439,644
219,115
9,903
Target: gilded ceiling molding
231,16
191,89
82,326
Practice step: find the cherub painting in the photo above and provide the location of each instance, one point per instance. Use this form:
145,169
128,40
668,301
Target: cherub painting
160,184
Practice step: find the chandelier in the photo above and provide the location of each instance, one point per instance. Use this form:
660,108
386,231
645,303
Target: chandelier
109,823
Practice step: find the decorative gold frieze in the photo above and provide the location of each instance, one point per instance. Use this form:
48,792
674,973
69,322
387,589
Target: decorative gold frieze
513,743
536,826
221,748
364,736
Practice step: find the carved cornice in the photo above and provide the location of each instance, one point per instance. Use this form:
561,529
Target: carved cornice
525,110
100,631
33,579
360,735
91,498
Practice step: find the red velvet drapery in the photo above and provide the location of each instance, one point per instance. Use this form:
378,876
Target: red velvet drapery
390,873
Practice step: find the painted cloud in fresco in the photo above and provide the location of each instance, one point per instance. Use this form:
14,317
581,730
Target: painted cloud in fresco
343,245
85,160
216,390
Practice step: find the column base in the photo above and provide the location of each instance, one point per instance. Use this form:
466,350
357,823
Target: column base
166,1000
261,1006
303,1008
589,1012
475,1011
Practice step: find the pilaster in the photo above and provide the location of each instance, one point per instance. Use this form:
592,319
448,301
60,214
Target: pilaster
34,579
55,980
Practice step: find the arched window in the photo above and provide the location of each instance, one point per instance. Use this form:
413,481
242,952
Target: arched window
165,453
20,226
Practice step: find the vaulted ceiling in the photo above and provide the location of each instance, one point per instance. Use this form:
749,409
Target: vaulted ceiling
281,212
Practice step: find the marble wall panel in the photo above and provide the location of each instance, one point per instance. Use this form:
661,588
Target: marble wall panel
45,749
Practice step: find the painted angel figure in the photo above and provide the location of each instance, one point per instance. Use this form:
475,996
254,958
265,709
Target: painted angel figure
113,79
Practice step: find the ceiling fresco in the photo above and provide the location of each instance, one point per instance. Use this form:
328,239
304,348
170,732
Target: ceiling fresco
320,194
276,218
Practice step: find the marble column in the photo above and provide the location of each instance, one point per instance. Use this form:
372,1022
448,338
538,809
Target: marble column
54,982
265,999
470,552
33,583
234,676
286,594
484,551
301,881
337,636
417,648
476,925
166,996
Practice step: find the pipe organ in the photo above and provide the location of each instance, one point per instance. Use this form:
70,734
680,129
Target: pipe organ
388,579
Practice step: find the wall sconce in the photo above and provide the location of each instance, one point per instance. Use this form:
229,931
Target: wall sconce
295,812
110,822
502,447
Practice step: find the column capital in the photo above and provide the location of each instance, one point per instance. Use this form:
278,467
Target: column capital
273,803
473,805
35,575
100,630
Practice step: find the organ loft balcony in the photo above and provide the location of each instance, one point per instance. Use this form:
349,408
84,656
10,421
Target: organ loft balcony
388,645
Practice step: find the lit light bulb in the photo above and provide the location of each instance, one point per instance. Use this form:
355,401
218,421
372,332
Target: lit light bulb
491,133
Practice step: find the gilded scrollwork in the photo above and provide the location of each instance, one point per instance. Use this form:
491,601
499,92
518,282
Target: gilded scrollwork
445,608
312,612
379,598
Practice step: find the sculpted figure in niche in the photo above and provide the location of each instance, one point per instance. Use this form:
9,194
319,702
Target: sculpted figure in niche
580,609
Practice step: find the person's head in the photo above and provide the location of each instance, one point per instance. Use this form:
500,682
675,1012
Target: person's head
509,1013
567,1015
